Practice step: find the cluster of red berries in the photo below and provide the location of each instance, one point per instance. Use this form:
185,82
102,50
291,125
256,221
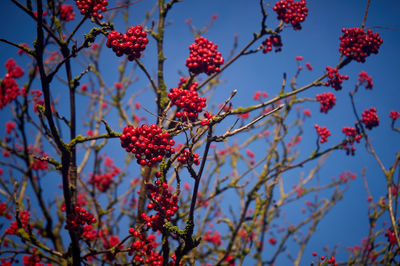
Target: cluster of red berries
163,202
104,180
188,157
357,44
89,233
364,78
9,89
204,57
394,115
24,218
206,121
109,241
149,143
323,132
370,118
79,218
391,237
272,41
187,100
347,175
354,136
38,164
67,13
327,101
334,78
32,260
132,43
37,100
92,8
213,237
3,211
143,249
291,12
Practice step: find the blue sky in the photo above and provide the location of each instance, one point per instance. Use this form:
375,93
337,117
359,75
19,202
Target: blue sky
317,42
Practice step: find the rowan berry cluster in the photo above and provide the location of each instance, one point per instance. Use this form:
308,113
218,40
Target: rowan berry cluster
143,249
357,44
38,164
37,100
364,78
334,78
149,143
370,118
291,12
89,233
206,121
92,8
4,212
187,100
204,57
323,132
327,101
78,219
187,157
104,180
24,218
132,43
391,237
213,237
394,115
354,136
163,202
9,89
67,13
272,41
109,241
32,260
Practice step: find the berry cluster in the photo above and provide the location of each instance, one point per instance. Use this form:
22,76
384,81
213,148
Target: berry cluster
109,241
213,237
335,79
272,41
188,157
143,249
79,218
24,218
163,202
323,132
92,8
89,233
327,101
37,100
38,164
10,126
104,180
132,43
204,57
291,12
345,176
353,135
187,100
4,212
363,77
149,143
32,260
357,44
206,121
370,118
67,13
9,89
394,115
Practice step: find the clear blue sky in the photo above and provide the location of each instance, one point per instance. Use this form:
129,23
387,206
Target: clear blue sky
317,42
